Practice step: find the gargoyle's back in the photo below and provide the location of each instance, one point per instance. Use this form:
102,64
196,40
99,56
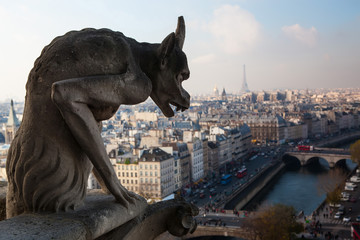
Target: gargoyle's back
88,52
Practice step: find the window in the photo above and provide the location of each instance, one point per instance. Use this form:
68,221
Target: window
136,182
127,174
132,182
127,181
123,174
123,181
135,174
131,174
122,167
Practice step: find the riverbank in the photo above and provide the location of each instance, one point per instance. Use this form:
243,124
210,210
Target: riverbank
250,196
244,195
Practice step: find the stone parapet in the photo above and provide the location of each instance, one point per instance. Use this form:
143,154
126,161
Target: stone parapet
102,218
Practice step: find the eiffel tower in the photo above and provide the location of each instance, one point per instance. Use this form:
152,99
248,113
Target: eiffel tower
244,86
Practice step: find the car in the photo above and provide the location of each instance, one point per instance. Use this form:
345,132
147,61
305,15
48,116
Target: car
335,205
212,192
355,179
348,188
337,215
344,199
341,210
345,194
347,219
351,184
358,218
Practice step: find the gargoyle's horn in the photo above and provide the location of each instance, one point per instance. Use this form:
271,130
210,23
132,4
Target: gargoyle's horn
180,32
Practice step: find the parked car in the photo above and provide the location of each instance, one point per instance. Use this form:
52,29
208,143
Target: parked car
337,215
358,218
355,179
351,184
334,205
347,219
341,210
344,199
345,194
212,191
347,188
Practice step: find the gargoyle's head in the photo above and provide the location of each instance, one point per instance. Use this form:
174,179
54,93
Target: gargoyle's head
172,69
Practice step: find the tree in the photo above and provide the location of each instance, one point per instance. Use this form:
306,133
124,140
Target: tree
334,196
274,222
332,185
355,151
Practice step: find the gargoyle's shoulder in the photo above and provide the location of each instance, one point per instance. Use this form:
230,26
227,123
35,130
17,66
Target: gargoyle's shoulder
93,31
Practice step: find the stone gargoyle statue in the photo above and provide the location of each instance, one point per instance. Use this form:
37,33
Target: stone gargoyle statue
80,79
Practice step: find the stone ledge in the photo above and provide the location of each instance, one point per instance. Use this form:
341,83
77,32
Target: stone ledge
102,218
99,215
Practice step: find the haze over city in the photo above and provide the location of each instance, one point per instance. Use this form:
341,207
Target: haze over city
284,44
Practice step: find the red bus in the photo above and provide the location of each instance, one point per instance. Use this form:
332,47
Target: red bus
305,148
241,173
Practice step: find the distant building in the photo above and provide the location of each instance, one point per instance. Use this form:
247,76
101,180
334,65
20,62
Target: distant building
216,91
213,159
266,128
244,86
223,95
156,174
239,139
127,170
184,159
146,116
12,125
197,159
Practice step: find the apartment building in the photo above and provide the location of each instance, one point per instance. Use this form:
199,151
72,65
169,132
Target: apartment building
156,170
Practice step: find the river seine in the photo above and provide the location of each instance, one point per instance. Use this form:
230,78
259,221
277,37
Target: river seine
304,188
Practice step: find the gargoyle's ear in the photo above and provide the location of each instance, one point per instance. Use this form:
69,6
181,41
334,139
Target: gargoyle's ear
180,32
166,48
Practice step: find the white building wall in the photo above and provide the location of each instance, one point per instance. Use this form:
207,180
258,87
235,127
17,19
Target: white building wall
197,161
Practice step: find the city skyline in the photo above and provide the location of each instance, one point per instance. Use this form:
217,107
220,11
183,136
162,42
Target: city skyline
284,45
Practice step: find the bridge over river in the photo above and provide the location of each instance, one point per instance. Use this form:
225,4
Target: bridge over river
331,155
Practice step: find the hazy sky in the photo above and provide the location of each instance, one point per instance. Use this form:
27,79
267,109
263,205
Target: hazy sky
284,44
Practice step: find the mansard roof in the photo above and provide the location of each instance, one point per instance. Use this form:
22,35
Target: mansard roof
155,155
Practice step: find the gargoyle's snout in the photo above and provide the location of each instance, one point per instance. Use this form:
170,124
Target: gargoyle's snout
185,75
